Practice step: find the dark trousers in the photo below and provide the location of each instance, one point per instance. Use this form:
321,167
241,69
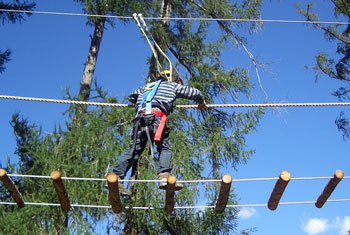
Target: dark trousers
138,144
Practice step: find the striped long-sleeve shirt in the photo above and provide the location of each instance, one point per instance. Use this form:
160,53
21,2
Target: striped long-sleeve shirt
166,94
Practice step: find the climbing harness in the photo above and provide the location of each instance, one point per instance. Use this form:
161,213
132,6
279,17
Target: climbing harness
145,108
145,117
146,103
159,131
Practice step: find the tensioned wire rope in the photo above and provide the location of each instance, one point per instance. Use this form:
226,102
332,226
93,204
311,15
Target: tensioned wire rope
176,207
180,18
179,181
261,105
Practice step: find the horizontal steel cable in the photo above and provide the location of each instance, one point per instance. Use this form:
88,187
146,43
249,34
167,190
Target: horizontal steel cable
177,207
180,181
261,105
180,18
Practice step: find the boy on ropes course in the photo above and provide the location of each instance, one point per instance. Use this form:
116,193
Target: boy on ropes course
154,103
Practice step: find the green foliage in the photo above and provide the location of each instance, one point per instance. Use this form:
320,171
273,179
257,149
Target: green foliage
333,67
4,58
13,17
80,152
337,67
105,7
205,144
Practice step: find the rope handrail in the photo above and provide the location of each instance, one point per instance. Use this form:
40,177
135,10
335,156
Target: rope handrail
176,207
180,181
181,18
261,105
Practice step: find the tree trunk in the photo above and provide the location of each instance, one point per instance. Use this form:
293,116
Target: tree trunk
89,69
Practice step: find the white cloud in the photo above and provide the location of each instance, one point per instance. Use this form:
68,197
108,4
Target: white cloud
345,226
246,213
316,226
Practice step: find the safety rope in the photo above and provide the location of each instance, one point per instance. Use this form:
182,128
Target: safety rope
181,18
159,66
261,105
158,47
144,28
177,207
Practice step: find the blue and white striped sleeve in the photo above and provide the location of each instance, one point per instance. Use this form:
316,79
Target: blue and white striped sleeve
134,95
187,92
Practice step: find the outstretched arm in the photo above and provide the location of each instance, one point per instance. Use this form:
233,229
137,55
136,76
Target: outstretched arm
191,93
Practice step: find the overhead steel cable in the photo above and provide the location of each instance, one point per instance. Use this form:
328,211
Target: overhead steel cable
182,18
261,105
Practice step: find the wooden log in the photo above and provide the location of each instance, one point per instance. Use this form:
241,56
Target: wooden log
113,195
328,190
278,190
169,196
223,194
16,195
61,191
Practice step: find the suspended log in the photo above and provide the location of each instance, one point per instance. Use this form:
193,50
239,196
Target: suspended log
16,195
328,190
169,196
113,196
61,191
278,190
223,194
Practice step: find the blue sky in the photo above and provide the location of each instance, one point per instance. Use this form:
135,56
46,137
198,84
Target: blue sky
49,53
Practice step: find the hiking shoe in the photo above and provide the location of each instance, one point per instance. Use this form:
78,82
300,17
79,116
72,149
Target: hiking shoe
123,191
163,177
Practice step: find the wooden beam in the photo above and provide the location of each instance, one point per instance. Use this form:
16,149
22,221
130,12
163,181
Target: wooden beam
169,196
223,194
278,190
61,191
16,195
113,195
328,190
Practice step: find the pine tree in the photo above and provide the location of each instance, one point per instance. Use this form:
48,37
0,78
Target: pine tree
12,17
100,7
210,141
206,132
336,68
